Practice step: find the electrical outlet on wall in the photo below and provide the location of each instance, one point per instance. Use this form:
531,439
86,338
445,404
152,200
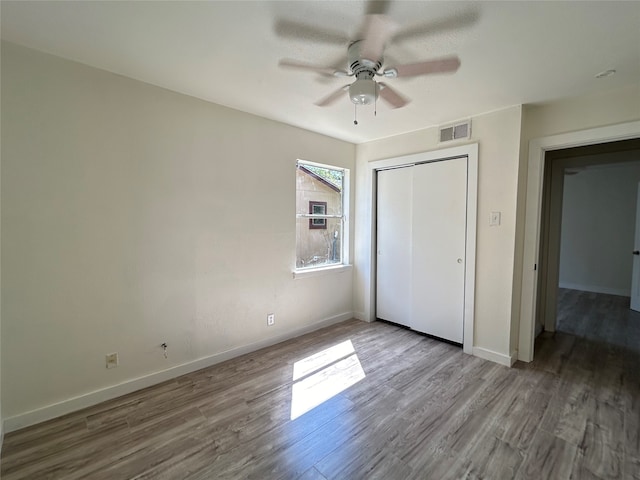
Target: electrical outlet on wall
271,319
111,360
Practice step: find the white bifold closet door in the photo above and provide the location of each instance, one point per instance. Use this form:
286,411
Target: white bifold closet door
421,240
394,246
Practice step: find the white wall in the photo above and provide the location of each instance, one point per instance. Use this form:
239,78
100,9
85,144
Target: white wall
133,216
580,113
1,414
598,227
498,136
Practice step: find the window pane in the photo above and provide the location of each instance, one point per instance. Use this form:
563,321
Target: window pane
318,185
317,208
317,247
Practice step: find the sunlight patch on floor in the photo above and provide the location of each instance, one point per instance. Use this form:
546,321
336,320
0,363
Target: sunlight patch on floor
323,375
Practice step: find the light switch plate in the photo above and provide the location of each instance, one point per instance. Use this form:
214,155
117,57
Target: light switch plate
494,219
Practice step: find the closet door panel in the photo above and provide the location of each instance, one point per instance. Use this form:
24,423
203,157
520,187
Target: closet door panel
394,217
438,253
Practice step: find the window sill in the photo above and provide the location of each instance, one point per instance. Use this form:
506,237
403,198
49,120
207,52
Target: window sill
314,272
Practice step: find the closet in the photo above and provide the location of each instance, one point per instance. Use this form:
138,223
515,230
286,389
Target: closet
422,246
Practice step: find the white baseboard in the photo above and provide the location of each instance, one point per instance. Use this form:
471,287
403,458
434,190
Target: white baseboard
93,398
514,357
360,316
622,292
501,358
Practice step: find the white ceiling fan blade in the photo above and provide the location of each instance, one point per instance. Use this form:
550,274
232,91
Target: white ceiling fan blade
392,97
377,30
440,65
328,71
333,97
310,33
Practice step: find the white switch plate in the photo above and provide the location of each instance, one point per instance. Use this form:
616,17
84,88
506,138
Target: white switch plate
494,219
111,360
271,319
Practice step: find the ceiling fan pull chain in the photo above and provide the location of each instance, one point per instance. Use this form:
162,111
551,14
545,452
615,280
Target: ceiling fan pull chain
355,114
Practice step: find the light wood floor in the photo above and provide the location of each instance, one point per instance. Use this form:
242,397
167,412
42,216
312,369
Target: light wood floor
424,410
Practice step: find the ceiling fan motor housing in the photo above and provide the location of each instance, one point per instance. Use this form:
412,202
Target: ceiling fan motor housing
362,66
364,91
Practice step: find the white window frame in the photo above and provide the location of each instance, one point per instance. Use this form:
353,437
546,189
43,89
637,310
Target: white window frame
346,201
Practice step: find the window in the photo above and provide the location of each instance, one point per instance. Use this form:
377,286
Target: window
320,215
318,208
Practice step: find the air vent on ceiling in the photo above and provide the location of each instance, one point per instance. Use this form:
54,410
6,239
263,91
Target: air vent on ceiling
456,131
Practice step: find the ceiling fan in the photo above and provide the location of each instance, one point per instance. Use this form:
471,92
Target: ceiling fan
365,62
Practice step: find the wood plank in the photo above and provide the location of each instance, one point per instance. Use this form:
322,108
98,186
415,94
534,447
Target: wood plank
598,457
548,457
312,474
518,425
602,446
569,410
495,459
632,468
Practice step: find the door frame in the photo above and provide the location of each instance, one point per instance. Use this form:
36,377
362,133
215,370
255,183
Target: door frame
471,152
556,162
533,213
635,267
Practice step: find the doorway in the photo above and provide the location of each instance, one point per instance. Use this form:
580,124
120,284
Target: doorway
588,223
533,226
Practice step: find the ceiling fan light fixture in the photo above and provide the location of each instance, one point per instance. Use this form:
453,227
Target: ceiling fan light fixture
363,91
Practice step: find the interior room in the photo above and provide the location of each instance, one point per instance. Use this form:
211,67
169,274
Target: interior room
605,192
286,239
596,246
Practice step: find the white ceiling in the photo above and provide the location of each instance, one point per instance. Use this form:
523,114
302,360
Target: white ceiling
227,52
